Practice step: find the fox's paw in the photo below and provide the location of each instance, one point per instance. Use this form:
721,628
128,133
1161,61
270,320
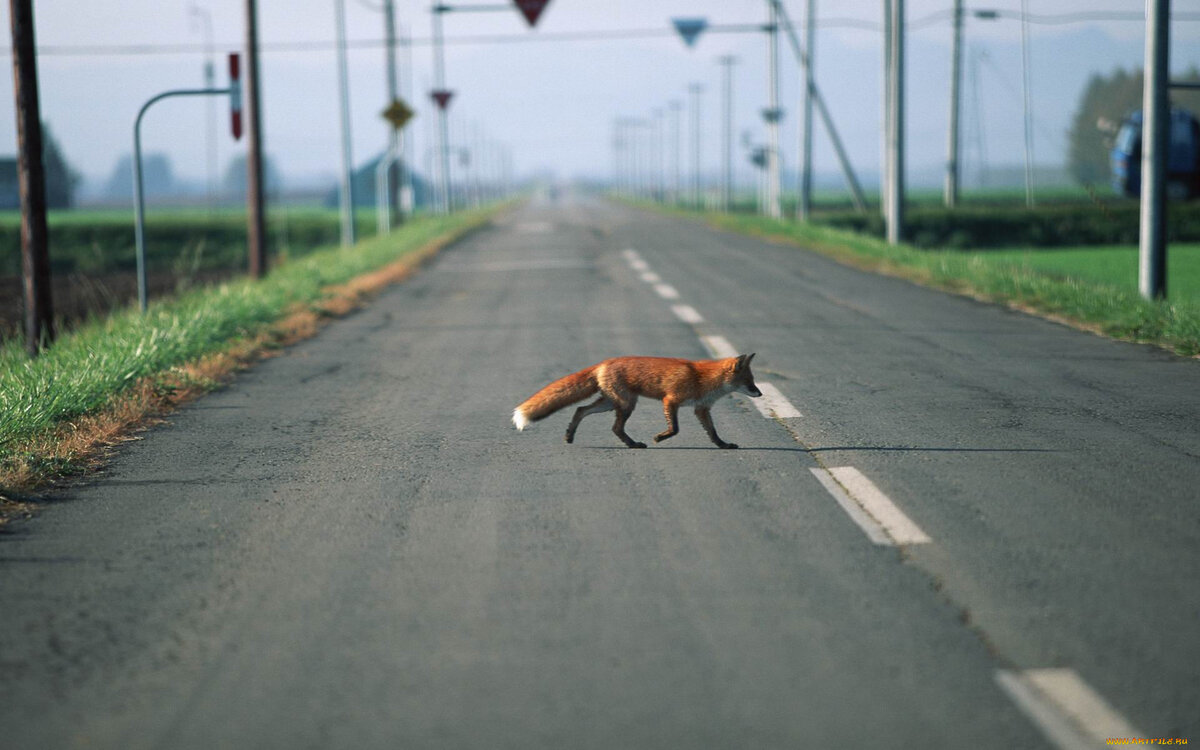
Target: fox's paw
568,438
728,445
637,445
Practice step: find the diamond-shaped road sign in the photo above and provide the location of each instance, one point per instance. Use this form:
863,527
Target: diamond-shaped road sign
531,9
397,113
442,97
690,28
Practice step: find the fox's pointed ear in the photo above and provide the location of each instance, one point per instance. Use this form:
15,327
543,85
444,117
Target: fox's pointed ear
743,361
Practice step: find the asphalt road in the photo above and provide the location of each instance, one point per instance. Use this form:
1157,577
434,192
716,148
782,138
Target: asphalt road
351,547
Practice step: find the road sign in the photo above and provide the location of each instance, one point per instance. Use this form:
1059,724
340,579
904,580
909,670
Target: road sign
235,97
442,97
690,28
398,113
531,9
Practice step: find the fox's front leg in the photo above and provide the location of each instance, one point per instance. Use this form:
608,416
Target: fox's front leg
702,413
671,411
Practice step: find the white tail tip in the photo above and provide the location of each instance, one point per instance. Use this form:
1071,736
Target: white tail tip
519,419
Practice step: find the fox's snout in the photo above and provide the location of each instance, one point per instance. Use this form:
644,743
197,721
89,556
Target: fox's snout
752,390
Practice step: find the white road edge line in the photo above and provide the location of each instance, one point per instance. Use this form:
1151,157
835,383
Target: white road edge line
666,291
1068,711
651,277
878,506
687,314
872,529
631,254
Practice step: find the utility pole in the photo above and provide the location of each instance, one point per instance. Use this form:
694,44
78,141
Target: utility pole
839,150
657,149
443,126
885,153
950,190
1156,123
804,208
772,115
31,181
1026,72
256,228
676,108
346,191
895,193
204,19
395,140
727,61
695,89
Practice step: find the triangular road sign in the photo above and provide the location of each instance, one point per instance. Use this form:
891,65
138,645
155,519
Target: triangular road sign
442,97
398,113
690,28
531,9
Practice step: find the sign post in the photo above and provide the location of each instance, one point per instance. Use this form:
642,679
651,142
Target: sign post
139,199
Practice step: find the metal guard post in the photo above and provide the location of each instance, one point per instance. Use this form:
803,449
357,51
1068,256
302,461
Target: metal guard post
139,208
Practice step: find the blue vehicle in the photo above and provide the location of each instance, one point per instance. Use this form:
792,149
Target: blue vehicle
1183,156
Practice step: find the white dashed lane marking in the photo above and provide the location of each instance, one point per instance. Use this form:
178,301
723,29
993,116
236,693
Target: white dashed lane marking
875,514
687,314
1065,708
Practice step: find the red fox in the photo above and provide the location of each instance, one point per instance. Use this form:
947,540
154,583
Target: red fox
621,380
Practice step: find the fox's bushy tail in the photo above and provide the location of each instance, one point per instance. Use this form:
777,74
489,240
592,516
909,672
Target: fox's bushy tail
560,393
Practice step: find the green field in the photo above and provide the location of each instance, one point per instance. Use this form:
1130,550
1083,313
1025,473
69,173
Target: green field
99,241
1112,265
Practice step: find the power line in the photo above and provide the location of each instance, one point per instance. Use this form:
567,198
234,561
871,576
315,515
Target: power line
322,45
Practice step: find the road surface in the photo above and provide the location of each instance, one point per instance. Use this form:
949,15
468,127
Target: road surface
951,525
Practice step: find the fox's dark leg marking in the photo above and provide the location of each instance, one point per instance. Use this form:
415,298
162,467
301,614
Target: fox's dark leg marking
671,410
597,406
702,413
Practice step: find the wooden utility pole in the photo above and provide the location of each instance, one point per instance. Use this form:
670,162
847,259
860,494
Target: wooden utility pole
31,179
256,230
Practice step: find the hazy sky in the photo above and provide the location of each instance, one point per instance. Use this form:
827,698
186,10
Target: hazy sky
553,102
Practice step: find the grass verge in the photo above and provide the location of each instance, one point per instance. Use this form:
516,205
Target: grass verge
97,383
1110,309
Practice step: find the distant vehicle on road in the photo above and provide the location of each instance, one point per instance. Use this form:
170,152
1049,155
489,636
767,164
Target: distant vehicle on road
1183,156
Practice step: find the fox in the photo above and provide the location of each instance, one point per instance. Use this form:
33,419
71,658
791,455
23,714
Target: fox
621,380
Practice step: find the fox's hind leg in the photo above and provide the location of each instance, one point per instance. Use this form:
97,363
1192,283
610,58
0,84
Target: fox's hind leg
599,405
623,412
